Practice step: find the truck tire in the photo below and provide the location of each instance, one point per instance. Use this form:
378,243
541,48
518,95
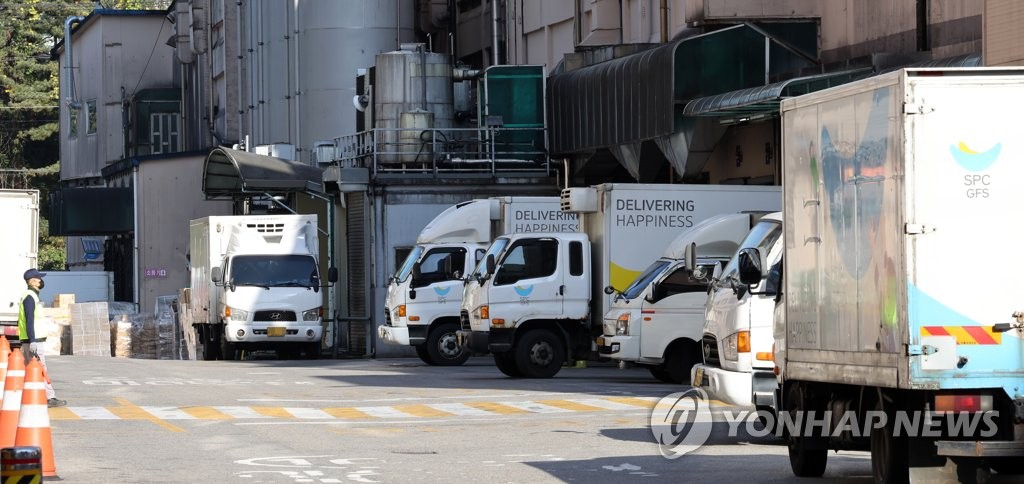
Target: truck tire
680,361
1008,465
312,350
888,452
805,460
506,362
211,347
421,351
443,347
228,350
659,372
539,354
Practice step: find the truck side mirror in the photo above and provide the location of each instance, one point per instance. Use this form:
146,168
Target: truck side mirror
690,256
750,263
609,290
216,275
490,264
332,275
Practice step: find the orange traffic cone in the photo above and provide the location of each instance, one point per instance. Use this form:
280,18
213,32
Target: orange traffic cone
11,407
5,354
34,419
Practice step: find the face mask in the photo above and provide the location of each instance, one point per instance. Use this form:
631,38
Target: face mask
42,284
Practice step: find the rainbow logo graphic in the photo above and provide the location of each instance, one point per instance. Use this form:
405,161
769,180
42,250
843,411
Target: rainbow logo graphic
523,291
442,291
972,160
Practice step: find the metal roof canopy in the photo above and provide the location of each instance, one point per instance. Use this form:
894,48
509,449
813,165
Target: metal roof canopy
763,101
229,173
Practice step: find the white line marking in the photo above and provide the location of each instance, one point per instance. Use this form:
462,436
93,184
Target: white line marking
536,407
308,413
241,412
168,413
384,412
460,409
602,403
93,413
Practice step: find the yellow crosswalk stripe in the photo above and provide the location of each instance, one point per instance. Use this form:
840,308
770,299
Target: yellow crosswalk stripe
276,412
345,412
206,413
496,408
574,406
637,402
63,413
422,411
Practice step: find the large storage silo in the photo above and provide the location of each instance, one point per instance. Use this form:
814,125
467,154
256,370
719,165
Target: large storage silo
412,96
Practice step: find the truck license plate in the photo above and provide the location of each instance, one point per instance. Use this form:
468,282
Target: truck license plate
698,377
277,331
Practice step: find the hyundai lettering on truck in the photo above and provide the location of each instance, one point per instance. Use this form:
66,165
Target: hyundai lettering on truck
893,185
536,301
257,280
422,304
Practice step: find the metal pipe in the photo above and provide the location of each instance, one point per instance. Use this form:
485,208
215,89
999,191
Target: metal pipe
423,76
298,85
135,236
664,21
69,61
240,96
494,29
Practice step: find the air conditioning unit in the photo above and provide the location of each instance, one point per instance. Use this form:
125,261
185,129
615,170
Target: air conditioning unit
323,153
580,200
283,151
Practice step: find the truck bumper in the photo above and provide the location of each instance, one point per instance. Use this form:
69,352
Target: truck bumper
956,448
474,341
625,348
730,387
403,335
262,334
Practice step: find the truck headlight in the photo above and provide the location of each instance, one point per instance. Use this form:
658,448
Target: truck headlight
608,328
312,314
235,314
735,344
622,325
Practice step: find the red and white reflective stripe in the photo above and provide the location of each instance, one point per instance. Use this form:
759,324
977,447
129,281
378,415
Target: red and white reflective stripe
34,414
12,397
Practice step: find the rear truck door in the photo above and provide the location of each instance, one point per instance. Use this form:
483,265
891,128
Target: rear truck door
527,282
673,308
963,237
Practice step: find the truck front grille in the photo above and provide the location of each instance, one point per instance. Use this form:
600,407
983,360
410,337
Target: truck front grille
710,347
274,315
464,320
387,317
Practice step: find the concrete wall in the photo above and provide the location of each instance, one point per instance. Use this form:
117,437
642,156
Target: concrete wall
1003,43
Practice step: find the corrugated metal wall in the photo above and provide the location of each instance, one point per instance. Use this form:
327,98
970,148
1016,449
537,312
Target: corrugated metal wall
357,283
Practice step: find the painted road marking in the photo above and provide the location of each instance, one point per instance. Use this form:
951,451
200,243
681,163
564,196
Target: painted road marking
126,410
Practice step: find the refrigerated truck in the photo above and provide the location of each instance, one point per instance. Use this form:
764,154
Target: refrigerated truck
255,285
19,251
658,321
544,304
900,251
421,308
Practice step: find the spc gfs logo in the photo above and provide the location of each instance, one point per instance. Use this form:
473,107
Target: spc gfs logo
442,294
976,162
524,293
681,422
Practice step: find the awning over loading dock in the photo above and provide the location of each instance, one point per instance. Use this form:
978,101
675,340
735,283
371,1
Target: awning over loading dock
229,173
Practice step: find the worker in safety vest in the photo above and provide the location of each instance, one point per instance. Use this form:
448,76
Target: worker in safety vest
32,344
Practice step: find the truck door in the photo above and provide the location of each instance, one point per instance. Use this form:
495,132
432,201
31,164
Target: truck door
673,308
435,284
527,282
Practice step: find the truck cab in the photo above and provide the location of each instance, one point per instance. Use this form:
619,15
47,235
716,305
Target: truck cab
528,303
658,321
738,366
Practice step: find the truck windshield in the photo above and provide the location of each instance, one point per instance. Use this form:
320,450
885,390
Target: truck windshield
495,249
762,236
274,270
410,260
644,279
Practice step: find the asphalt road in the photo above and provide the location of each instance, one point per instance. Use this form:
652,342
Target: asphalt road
389,420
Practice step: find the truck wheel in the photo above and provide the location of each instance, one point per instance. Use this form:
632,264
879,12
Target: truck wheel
805,460
888,452
659,372
680,361
228,350
312,350
539,354
211,349
443,348
421,351
1008,465
506,362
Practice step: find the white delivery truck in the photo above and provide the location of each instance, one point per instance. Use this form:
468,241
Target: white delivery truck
892,185
658,321
255,283
537,300
19,251
737,335
421,308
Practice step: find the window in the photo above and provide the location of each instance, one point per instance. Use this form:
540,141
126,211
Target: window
163,134
90,113
762,236
644,279
72,123
527,259
575,258
681,281
433,267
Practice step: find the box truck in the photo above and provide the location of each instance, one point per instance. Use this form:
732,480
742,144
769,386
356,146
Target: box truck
892,185
537,300
737,366
19,251
255,284
658,321
421,308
